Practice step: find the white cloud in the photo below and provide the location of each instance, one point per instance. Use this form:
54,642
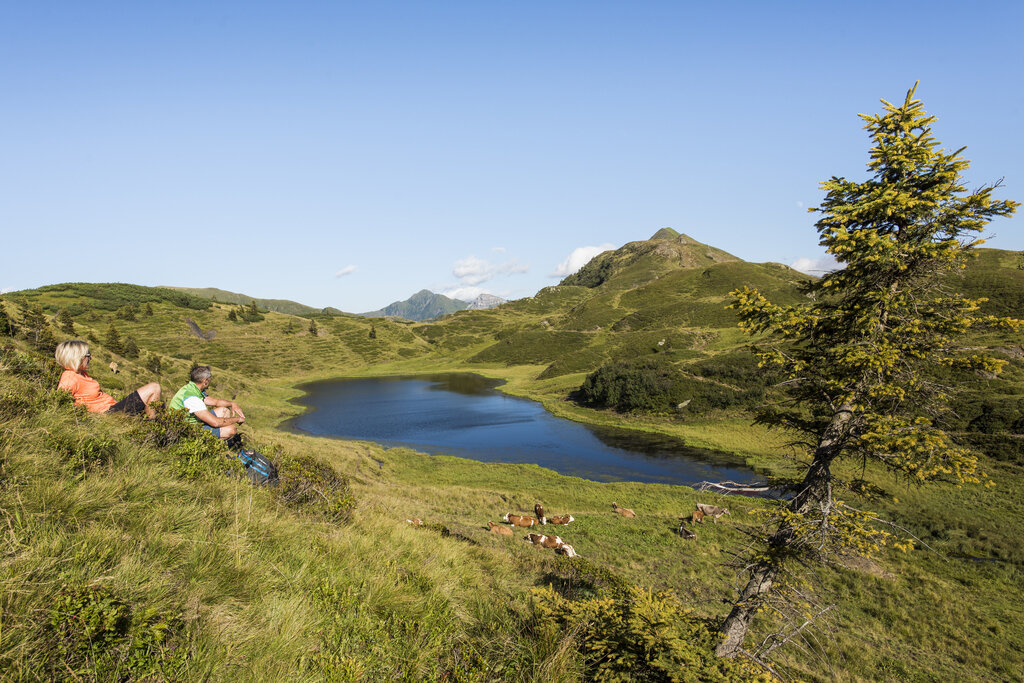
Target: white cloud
347,270
472,271
579,258
800,205
815,266
6,289
465,293
500,250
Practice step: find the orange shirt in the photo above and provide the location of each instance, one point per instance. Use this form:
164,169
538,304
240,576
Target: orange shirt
86,391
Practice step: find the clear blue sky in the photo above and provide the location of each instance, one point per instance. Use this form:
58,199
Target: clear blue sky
349,154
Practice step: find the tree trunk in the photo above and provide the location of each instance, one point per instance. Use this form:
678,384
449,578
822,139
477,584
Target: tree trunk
816,489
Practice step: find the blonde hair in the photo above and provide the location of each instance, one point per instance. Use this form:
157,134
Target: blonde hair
71,353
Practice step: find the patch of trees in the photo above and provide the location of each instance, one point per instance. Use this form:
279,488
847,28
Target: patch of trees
246,314
655,384
112,296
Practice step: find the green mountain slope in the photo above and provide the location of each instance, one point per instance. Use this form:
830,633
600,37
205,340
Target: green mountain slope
102,521
423,305
276,305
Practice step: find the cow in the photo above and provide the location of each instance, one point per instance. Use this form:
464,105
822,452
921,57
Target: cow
538,510
113,367
544,541
415,521
697,517
684,532
519,520
567,550
562,520
712,511
625,512
499,529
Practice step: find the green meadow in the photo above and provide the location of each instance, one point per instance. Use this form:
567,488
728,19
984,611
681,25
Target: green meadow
135,551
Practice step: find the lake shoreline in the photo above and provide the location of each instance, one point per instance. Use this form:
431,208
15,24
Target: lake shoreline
609,453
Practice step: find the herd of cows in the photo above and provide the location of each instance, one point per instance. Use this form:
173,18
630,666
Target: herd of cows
556,543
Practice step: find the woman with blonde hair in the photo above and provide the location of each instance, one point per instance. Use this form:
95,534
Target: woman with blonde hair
74,357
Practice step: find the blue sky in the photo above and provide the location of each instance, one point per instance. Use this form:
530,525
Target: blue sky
349,154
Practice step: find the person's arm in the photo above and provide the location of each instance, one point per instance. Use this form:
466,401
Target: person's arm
197,407
209,418
222,403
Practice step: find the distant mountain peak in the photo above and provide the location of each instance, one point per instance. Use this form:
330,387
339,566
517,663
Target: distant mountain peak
667,250
423,305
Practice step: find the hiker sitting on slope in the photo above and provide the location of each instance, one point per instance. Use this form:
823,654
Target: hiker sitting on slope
216,415
74,357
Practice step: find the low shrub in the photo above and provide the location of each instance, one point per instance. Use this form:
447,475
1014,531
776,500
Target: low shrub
85,454
92,633
315,488
168,428
39,369
201,457
638,635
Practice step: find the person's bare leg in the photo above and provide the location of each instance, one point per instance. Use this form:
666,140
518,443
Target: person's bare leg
149,393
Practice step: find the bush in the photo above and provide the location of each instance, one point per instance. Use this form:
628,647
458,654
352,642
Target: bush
311,486
202,457
84,454
168,428
91,633
638,635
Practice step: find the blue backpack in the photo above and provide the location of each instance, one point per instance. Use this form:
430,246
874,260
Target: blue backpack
258,468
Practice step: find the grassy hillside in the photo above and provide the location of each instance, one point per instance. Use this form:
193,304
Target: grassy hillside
196,574
275,305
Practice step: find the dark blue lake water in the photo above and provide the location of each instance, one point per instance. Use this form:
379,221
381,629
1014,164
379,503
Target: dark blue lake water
463,415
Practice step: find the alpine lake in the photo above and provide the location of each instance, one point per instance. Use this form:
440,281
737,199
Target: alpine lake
465,416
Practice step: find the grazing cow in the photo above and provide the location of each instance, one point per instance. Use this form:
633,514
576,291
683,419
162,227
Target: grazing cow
113,367
415,521
697,517
625,512
562,520
684,532
538,510
519,520
544,541
712,511
499,529
567,550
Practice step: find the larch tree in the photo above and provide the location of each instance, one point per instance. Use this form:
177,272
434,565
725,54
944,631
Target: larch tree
858,357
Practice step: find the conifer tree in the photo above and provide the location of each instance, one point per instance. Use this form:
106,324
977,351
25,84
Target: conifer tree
130,348
313,329
149,310
65,321
7,327
153,363
857,357
232,316
113,340
373,332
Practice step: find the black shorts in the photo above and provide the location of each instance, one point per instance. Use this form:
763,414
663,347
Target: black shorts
129,405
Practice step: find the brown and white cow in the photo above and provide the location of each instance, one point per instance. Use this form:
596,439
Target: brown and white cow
544,541
561,520
567,550
538,510
519,520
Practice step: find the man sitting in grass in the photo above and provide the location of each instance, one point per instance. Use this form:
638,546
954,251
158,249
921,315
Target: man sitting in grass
216,415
